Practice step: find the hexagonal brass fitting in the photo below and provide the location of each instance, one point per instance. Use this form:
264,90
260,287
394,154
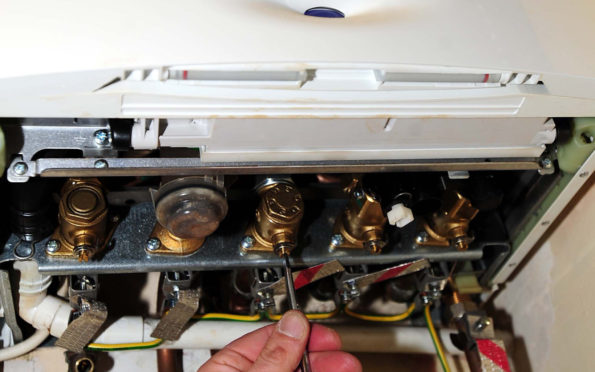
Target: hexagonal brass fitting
278,217
450,223
361,224
83,219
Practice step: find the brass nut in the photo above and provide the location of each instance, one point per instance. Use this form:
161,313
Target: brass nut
83,220
283,203
361,224
450,223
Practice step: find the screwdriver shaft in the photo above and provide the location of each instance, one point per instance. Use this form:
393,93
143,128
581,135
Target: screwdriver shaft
294,306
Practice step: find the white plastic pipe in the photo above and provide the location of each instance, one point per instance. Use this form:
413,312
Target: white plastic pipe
35,306
216,334
25,346
45,313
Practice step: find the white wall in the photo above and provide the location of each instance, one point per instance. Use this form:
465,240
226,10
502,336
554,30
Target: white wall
552,299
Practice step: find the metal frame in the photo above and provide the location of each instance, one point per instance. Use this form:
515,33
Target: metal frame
578,180
126,252
107,167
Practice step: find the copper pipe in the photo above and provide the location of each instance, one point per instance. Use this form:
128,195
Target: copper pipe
168,360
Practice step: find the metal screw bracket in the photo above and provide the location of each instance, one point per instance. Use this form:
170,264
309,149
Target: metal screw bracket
101,137
153,244
349,292
247,242
265,300
20,168
336,240
100,164
482,324
52,246
547,166
422,237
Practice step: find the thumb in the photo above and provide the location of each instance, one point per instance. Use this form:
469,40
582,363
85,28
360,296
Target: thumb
283,350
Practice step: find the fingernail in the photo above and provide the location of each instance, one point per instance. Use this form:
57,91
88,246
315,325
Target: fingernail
293,325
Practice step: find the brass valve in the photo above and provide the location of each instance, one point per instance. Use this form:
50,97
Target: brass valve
83,220
361,224
277,221
450,223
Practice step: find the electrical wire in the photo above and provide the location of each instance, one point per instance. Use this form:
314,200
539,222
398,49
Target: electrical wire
224,316
437,344
158,341
310,316
127,346
24,346
252,318
381,318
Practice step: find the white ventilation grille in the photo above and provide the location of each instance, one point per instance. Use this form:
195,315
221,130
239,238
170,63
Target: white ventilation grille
321,91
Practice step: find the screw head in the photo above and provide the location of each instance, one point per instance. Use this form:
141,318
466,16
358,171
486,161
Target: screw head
20,168
583,174
547,163
481,324
153,244
422,237
247,242
52,246
336,240
100,164
101,137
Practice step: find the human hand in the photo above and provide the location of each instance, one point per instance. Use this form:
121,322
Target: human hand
279,348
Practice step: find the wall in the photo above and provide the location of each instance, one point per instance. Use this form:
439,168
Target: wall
550,300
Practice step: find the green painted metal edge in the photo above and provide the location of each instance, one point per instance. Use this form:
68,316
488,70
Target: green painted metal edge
545,205
2,152
571,156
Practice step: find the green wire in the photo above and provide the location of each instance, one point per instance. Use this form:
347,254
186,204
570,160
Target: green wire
443,362
124,348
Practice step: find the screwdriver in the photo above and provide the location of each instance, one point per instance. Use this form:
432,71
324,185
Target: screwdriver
293,304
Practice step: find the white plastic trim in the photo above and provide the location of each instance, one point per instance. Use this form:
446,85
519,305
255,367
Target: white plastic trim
145,134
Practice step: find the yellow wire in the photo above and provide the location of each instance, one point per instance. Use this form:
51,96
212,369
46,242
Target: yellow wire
381,318
151,343
240,318
436,339
311,316
208,316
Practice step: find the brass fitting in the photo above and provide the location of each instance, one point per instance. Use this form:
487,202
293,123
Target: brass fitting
188,209
278,218
361,224
83,220
450,223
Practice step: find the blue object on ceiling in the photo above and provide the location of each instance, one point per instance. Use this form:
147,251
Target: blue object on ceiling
324,12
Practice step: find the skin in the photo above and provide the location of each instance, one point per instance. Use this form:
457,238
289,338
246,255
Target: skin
279,347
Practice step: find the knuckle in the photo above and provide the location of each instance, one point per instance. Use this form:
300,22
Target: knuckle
274,355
